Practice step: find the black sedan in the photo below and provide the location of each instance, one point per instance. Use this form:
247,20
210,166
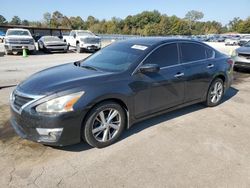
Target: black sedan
52,43
97,98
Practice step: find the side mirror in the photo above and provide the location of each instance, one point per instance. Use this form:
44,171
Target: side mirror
74,35
149,68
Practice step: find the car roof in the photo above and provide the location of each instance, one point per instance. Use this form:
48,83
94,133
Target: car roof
151,41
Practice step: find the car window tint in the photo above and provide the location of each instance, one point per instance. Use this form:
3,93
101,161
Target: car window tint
192,52
210,53
166,55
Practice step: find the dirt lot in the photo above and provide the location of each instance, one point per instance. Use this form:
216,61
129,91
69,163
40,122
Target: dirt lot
191,147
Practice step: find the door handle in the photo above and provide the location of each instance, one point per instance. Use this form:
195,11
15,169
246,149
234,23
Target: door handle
210,66
179,74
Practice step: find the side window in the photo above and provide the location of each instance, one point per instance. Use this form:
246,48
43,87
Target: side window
166,55
210,53
192,52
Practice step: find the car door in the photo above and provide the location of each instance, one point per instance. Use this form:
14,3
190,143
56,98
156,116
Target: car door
163,89
71,38
197,59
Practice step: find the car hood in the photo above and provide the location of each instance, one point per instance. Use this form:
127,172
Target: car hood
60,78
245,50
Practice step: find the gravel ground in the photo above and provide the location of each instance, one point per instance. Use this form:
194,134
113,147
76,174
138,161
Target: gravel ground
191,147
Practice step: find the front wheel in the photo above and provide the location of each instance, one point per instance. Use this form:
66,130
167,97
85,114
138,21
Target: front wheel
104,124
215,92
78,48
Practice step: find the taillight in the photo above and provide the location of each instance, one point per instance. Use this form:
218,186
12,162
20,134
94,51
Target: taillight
230,62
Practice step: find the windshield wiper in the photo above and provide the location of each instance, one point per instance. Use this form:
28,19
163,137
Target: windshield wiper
78,63
89,67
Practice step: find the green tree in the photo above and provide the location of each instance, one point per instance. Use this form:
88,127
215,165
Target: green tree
2,20
47,19
56,19
25,22
77,23
15,21
193,16
234,24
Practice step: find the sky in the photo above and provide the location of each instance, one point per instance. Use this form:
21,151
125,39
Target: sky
33,10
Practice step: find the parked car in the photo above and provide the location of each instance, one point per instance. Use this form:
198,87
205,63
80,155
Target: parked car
17,39
233,41
241,56
83,40
244,40
95,99
52,43
2,34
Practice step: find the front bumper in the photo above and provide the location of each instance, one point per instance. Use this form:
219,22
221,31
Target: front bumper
19,47
56,48
87,46
241,62
57,130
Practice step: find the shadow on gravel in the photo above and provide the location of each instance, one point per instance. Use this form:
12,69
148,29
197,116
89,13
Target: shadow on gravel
138,127
240,75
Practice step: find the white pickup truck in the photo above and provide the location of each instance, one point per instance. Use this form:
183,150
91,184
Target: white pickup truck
17,39
83,40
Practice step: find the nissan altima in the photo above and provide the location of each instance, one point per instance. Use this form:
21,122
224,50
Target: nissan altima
97,98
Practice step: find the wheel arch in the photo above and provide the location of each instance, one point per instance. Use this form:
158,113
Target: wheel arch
117,100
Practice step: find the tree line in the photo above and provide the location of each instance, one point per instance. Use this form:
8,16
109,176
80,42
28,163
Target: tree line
146,23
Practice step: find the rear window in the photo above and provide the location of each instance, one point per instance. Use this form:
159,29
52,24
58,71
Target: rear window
192,52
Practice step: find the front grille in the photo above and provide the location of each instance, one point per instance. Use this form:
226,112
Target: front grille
92,40
56,45
19,101
20,41
244,55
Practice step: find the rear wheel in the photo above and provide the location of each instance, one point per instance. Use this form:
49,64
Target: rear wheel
104,124
215,92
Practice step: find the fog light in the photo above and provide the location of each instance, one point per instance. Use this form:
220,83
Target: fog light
49,135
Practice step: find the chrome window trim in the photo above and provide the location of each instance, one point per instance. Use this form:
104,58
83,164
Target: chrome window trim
34,97
179,55
152,51
201,44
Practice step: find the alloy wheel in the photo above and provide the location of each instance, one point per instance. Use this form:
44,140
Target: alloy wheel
216,92
106,125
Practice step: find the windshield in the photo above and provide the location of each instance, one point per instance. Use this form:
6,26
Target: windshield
18,32
85,33
51,39
247,44
115,58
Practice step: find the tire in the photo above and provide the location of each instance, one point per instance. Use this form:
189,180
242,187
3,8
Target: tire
7,52
78,48
95,132
32,52
214,96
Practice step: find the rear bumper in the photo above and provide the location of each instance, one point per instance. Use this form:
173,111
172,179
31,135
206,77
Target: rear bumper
50,130
241,62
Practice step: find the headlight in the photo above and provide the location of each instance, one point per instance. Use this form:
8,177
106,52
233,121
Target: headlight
60,104
82,40
6,40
